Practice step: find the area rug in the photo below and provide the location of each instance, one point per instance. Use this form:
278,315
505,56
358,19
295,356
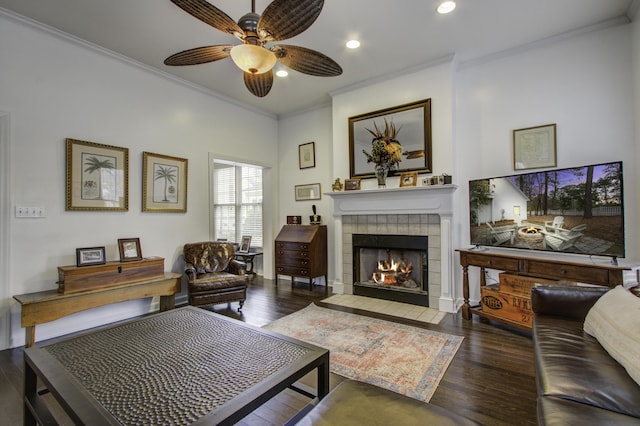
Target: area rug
404,359
387,307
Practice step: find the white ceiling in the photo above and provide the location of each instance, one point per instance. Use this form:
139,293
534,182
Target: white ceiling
396,36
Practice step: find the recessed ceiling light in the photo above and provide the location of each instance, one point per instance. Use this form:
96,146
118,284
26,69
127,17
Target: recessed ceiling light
353,44
282,73
446,7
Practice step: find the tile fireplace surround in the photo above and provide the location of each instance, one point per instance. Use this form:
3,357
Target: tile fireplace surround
398,211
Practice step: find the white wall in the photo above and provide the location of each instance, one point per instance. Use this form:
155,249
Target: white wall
294,130
635,48
52,89
580,83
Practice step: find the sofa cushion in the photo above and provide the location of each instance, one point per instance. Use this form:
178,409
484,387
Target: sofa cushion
615,321
561,412
572,365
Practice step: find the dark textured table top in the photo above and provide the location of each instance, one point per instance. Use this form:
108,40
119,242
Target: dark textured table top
174,367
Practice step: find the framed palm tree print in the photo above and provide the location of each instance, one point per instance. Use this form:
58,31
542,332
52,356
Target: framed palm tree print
164,183
97,176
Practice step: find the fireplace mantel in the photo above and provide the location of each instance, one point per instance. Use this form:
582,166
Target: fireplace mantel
437,199
418,200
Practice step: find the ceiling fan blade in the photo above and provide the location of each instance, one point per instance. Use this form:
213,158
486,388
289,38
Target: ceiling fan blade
284,19
211,15
199,55
259,84
307,61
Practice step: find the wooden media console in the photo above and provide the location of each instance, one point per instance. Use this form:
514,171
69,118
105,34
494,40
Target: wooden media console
539,266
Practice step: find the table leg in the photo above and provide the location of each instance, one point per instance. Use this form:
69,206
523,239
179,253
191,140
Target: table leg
323,378
29,336
167,302
30,395
466,310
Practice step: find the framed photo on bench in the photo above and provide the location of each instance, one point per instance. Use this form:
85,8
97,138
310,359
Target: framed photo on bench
129,249
90,256
245,244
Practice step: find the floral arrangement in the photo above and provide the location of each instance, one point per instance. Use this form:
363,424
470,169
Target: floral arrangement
386,151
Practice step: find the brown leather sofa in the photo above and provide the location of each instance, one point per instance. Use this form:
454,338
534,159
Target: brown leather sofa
353,403
214,275
578,383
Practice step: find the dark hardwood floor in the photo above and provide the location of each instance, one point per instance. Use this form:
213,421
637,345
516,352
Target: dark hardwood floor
491,379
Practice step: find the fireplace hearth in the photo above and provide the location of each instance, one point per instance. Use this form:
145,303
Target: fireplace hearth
391,267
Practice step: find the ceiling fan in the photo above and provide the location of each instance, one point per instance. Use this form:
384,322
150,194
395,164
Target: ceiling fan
282,19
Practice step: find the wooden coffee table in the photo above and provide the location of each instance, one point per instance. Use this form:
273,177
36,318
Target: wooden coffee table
183,366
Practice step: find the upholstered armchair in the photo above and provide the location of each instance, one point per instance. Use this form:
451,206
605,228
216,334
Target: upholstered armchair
215,276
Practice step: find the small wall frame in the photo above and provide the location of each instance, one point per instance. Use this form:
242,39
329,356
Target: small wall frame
308,192
534,147
307,155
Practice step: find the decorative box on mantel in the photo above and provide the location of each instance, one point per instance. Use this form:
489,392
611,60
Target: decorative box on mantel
73,279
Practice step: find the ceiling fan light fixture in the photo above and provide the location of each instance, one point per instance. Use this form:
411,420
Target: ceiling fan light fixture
253,59
446,7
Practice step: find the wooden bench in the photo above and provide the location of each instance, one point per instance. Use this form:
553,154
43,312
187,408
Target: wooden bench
50,305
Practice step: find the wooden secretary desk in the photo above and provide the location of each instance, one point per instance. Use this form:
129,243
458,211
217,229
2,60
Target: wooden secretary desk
301,251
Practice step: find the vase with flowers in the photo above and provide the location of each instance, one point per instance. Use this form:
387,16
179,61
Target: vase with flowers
386,151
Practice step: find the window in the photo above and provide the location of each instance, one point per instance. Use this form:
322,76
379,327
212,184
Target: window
237,202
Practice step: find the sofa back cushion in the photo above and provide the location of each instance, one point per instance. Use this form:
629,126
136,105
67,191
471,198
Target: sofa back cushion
209,257
614,321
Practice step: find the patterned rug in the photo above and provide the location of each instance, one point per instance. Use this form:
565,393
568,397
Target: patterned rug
404,359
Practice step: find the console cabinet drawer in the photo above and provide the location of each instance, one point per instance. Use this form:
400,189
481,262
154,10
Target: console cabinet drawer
291,246
568,272
504,264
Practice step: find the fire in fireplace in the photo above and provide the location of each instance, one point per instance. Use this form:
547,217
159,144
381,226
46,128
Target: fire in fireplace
392,267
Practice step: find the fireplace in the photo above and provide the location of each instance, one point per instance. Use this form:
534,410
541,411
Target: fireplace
391,267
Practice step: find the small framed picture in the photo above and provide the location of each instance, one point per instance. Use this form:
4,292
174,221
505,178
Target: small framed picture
129,249
307,155
308,192
90,256
245,244
351,184
294,220
409,179
534,147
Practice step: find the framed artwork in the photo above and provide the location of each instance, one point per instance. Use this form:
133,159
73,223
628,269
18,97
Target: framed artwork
351,184
245,244
294,220
414,123
97,177
164,183
307,155
409,179
534,147
90,256
308,192
129,249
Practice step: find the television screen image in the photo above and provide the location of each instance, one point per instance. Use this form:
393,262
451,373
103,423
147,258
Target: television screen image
573,210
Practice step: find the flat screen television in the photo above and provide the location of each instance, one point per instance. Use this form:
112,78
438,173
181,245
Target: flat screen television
573,210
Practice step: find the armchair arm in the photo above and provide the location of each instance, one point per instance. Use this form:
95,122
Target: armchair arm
571,302
237,267
190,270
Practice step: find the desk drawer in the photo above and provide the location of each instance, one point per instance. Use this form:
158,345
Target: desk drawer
294,262
492,262
281,245
285,255
292,270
